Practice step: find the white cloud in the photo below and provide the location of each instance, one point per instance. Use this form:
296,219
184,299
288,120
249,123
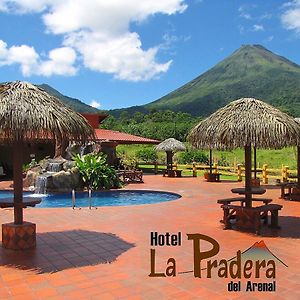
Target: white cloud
241,29
3,6
95,104
266,16
99,30
257,27
291,17
245,16
60,61
270,38
287,4
121,55
243,13
23,55
169,40
24,6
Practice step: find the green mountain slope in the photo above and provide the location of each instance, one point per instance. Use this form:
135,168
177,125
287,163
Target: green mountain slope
251,71
73,103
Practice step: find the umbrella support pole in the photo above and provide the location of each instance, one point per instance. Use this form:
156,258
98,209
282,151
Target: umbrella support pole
169,160
255,164
18,235
18,181
248,171
210,161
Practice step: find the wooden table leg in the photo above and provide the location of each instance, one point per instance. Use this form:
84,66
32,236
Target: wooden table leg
226,218
257,222
274,219
264,216
282,192
289,193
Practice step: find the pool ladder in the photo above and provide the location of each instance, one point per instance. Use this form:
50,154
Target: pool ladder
90,200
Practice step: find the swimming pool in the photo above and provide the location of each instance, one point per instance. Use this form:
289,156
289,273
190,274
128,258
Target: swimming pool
105,198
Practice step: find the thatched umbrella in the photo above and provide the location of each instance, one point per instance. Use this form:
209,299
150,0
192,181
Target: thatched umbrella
29,113
244,123
170,146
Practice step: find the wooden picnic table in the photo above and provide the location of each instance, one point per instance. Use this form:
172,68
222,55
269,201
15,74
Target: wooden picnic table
248,217
287,191
242,200
172,173
212,177
131,176
27,201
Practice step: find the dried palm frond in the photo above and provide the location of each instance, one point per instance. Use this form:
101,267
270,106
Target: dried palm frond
170,145
243,122
28,112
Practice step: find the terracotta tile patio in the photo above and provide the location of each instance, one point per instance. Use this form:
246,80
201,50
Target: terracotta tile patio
105,253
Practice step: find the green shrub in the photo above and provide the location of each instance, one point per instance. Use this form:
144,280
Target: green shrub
30,165
95,172
129,162
146,155
222,161
191,156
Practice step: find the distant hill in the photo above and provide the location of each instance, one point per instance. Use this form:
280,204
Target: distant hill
73,103
251,71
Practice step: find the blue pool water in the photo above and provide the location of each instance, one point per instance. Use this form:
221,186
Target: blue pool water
106,198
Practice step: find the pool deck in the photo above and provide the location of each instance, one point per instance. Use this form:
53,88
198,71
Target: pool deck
104,253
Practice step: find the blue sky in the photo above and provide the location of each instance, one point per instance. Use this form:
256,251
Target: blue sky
120,53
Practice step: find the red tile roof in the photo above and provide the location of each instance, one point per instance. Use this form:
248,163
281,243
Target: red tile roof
121,137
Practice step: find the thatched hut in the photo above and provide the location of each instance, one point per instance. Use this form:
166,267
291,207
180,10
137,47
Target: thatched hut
244,123
170,146
28,113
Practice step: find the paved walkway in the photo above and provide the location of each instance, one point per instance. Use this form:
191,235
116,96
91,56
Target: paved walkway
105,253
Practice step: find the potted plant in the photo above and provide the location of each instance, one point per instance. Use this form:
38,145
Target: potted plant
206,175
255,182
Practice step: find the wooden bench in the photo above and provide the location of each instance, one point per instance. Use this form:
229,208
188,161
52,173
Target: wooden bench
178,173
214,177
172,173
131,176
287,186
169,173
242,200
249,218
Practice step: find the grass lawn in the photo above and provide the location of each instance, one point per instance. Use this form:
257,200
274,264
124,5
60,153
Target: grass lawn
273,158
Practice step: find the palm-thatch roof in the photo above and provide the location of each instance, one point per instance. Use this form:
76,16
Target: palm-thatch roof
28,112
245,122
170,144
